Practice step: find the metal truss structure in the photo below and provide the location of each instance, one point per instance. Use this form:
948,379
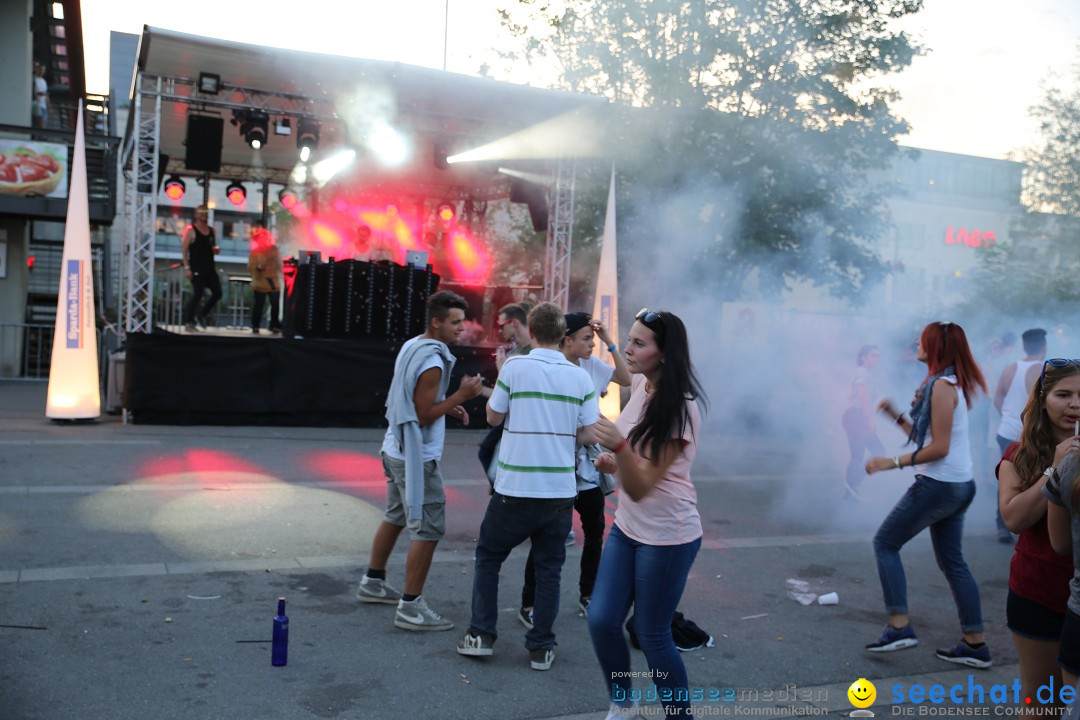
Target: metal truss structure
140,207
141,165
560,234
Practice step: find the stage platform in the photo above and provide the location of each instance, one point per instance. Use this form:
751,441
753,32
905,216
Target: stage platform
232,377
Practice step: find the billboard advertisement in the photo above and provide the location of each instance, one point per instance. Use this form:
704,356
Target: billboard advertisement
33,169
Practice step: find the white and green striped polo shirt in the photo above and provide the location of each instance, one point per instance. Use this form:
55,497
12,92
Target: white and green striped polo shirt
547,398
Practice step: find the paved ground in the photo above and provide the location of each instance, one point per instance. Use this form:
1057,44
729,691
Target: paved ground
139,567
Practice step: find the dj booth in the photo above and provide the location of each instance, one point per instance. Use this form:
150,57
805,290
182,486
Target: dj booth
343,326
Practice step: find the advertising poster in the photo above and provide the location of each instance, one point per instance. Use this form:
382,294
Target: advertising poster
33,169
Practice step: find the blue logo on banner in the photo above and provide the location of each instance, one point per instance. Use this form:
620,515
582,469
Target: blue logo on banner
605,310
74,303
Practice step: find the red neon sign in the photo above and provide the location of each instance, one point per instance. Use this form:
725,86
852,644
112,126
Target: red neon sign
971,238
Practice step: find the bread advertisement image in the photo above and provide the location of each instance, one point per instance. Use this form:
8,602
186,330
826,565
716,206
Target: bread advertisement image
33,169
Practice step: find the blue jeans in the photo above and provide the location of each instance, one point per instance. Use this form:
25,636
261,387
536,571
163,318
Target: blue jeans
651,578
939,506
508,522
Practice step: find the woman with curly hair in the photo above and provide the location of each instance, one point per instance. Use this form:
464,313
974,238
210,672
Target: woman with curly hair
1038,576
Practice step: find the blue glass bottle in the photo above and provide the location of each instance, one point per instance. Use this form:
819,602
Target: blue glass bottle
280,653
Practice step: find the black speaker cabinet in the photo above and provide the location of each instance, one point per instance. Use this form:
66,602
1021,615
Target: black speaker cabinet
204,137
357,299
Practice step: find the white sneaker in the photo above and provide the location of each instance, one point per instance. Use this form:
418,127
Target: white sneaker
618,712
373,590
416,615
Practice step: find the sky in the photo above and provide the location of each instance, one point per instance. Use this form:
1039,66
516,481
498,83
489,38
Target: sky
987,60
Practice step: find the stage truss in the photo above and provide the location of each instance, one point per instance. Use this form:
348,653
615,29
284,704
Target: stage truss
141,172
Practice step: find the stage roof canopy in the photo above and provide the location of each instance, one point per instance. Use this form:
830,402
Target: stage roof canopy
351,98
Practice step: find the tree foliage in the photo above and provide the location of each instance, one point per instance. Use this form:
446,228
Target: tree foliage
771,119
1035,274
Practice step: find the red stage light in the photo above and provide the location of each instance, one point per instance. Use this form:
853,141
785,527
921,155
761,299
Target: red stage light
288,199
236,193
174,188
29,262
446,212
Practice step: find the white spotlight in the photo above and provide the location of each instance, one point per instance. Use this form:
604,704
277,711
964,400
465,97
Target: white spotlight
305,153
389,146
331,166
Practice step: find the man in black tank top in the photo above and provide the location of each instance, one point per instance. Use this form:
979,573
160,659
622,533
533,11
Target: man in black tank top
198,247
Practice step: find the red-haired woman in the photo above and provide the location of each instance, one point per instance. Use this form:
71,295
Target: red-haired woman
940,496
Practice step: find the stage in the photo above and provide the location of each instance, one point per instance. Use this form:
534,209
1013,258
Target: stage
214,378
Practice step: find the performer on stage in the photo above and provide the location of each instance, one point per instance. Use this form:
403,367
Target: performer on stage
264,263
198,246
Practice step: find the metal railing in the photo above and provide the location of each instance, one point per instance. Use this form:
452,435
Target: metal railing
25,351
172,290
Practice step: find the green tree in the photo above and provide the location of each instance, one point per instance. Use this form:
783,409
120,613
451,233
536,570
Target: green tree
758,122
1035,274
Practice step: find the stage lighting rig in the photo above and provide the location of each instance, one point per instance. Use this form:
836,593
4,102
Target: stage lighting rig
307,137
288,198
254,126
236,193
174,188
209,83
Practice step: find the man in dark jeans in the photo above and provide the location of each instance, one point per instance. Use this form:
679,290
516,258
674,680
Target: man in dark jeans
549,405
198,246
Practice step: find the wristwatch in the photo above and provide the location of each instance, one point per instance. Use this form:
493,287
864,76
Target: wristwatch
1049,472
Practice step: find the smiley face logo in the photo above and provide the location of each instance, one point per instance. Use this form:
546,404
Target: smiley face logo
862,693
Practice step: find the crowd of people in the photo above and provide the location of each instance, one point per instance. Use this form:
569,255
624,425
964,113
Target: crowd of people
551,452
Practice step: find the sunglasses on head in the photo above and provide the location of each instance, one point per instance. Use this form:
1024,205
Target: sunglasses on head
648,317
1058,363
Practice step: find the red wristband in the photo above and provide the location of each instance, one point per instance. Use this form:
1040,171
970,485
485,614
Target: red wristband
900,419
620,447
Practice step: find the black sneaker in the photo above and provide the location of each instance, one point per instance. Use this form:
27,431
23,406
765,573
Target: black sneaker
894,639
541,659
526,617
964,654
583,605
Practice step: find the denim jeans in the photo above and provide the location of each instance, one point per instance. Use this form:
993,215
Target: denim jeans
651,578
508,522
861,439
590,508
939,506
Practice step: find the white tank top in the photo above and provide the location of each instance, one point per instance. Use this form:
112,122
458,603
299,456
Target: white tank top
1015,399
956,466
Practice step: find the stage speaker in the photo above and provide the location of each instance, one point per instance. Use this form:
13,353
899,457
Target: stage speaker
535,196
204,138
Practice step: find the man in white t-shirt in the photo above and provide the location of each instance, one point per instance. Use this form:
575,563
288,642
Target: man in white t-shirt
577,346
550,406
416,406
40,106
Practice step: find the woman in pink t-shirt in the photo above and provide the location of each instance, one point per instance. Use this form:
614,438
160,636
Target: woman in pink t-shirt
657,530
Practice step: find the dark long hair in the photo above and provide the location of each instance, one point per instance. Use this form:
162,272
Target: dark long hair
946,344
666,411
1037,444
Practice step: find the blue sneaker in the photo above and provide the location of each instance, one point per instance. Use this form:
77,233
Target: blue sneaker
964,654
894,639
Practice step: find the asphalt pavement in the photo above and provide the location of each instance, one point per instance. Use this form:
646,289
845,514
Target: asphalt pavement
140,566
